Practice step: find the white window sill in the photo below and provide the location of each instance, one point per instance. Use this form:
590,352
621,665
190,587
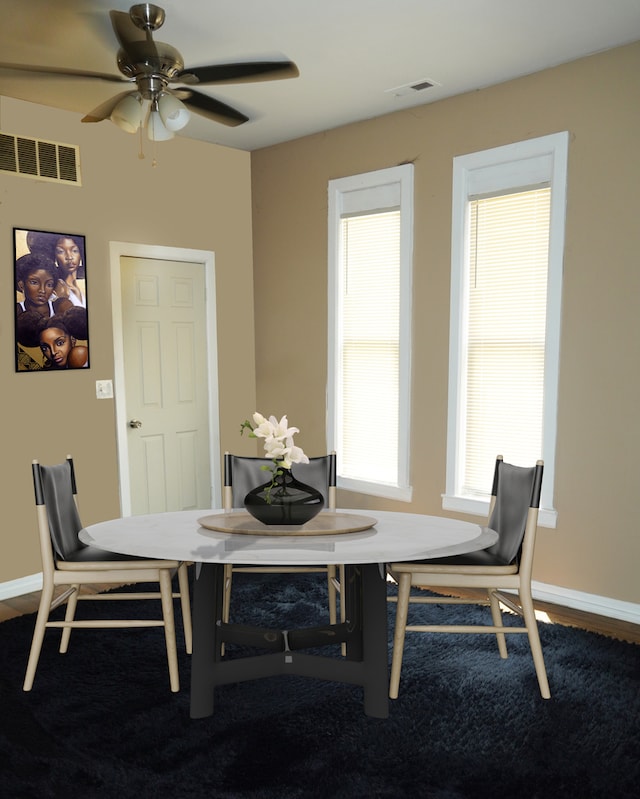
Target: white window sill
403,494
480,507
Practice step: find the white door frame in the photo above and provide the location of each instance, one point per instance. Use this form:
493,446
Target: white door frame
118,249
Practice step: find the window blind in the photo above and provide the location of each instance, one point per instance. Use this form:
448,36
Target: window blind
505,335
369,345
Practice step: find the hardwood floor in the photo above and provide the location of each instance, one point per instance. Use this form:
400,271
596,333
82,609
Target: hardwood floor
613,628
556,614
548,612
28,603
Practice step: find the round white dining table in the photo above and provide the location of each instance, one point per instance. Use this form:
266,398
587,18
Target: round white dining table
379,538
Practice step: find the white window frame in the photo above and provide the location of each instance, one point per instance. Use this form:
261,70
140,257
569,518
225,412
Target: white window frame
345,195
522,165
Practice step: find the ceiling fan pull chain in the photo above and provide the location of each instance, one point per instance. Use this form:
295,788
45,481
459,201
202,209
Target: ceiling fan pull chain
141,150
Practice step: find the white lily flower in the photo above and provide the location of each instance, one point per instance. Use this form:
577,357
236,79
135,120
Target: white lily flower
295,454
275,448
258,419
278,440
281,428
265,428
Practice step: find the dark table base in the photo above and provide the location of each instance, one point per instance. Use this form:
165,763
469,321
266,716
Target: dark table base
364,635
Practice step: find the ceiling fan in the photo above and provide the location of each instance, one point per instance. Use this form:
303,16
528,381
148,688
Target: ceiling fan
153,67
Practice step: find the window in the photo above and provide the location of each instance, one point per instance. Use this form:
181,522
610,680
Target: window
370,257
506,281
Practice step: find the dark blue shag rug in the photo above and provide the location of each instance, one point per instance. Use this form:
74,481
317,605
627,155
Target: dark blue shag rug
101,722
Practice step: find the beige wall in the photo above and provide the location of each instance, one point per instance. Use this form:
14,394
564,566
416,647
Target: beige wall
198,196
595,546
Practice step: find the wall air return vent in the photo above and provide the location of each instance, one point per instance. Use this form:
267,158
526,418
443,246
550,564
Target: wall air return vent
40,159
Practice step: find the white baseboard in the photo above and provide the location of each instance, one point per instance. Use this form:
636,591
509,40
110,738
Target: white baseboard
25,585
589,603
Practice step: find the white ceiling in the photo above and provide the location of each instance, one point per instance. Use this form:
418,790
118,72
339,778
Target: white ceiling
350,53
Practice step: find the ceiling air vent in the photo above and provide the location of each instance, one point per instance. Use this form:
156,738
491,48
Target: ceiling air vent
412,88
40,159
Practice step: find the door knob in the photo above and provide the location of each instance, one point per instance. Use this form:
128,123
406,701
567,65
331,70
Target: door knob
135,423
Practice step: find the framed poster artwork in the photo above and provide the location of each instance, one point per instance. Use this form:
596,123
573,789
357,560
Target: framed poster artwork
51,319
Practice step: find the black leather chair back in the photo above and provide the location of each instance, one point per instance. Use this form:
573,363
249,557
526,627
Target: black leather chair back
55,488
516,489
243,474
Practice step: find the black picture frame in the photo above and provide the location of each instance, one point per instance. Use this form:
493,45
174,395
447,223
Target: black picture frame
50,280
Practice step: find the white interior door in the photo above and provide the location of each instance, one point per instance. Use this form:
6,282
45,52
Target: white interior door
164,414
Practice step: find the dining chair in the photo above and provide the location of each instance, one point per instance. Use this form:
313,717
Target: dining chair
67,561
241,474
502,571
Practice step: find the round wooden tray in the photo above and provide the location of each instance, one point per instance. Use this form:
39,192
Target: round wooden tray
325,523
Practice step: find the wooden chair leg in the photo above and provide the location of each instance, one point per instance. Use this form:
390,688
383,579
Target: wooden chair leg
226,601
185,604
333,594
402,610
166,591
226,597
343,608
46,597
341,581
496,615
70,614
529,615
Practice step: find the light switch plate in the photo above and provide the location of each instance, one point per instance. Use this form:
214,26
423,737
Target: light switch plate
104,389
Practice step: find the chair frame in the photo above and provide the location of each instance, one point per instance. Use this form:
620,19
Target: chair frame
514,578
330,504
75,574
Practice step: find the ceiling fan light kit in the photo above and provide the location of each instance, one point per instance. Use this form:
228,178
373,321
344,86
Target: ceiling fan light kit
152,66
173,112
163,116
156,130
128,114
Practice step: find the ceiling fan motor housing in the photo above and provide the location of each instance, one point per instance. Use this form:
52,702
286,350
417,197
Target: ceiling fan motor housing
155,58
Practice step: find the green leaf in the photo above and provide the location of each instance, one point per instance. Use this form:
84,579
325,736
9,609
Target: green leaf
247,425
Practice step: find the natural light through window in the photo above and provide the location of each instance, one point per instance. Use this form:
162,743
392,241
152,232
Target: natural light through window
370,250
507,249
505,335
370,288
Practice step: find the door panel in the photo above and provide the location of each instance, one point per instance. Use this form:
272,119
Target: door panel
165,368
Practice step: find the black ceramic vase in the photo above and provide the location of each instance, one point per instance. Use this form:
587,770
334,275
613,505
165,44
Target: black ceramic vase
287,501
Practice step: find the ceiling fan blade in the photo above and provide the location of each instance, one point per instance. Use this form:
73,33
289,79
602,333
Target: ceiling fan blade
246,72
61,72
127,33
211,108
104,110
